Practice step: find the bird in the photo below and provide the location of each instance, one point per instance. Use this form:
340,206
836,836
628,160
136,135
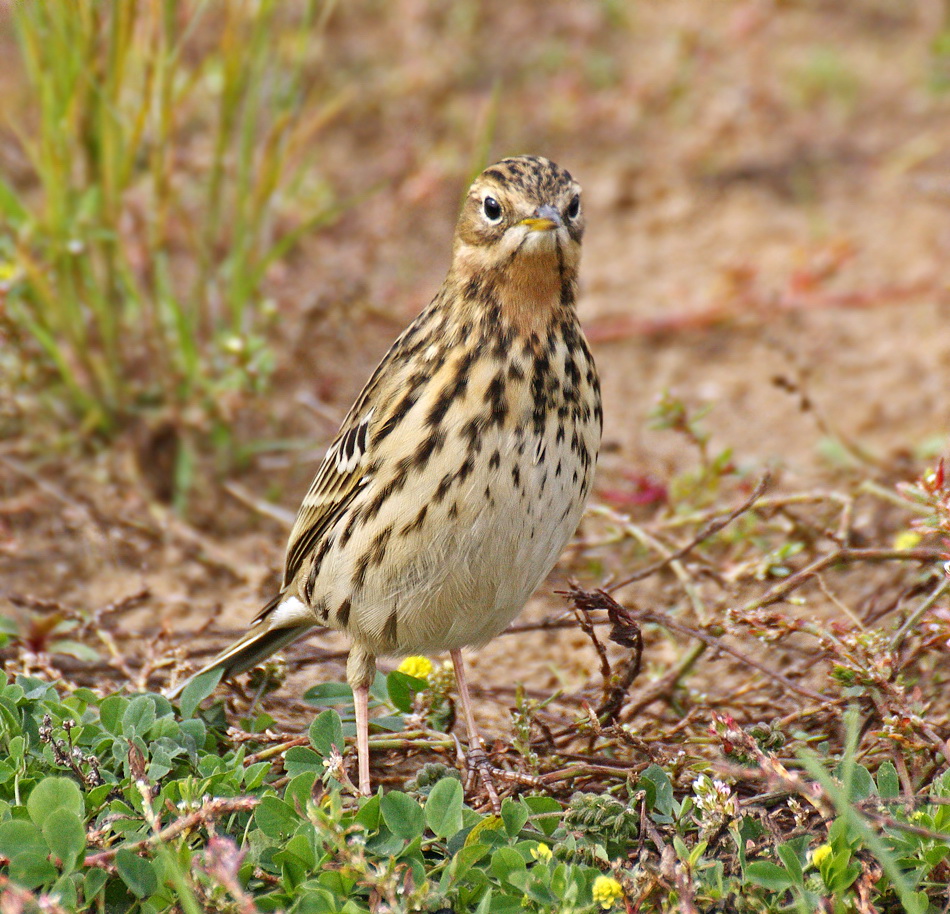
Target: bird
463,467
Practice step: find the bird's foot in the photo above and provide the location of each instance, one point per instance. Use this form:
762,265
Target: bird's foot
476,759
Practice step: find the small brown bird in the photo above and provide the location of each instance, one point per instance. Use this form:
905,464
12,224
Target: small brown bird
462,469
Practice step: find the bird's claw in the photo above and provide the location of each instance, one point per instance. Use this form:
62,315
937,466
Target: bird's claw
476,759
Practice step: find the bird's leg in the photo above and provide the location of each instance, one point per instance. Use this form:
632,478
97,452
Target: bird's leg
360,672
476,758
361,706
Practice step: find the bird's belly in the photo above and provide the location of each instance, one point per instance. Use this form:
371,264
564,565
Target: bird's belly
462,576
492,566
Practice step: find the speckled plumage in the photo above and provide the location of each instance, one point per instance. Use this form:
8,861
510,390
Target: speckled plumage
462,469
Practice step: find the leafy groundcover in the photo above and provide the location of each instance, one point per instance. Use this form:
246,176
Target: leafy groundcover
122,803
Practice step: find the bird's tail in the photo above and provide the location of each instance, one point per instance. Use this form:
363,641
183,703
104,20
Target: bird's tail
258,644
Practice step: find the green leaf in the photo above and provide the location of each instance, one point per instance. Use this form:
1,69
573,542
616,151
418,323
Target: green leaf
296,859
198,690
20,836
254,775
161,753
679,845
465,859
309,901
52,794
480,831
876,844
514,815
97,796
36,689
139,716
299,790
74,649
368,816
137,873
937,854
275,818
111,710
329,693
768,875
195,730
65,835
93,883
661,800
888,783
857,777
696,854
789,856
842,874
299,759
336,882
443,810
326,732
32,870
64,888
300,846
402,688
17,749
9,714
546,813
402,815
506,862
484,906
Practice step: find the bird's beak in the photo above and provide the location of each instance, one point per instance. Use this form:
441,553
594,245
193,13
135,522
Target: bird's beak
545,218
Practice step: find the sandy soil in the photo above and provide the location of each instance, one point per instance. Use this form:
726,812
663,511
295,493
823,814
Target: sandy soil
766,187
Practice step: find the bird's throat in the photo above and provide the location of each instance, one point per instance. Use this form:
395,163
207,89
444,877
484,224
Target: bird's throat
531,290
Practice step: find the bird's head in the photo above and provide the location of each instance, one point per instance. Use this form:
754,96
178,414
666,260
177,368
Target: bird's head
520,211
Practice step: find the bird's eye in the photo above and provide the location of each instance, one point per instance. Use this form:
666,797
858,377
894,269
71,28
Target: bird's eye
574,207
492,209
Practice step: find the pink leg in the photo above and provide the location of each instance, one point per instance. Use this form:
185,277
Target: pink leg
361,706
476,753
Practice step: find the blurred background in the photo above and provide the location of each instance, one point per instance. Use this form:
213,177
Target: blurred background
216,216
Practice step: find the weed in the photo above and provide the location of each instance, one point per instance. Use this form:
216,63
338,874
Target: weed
174,163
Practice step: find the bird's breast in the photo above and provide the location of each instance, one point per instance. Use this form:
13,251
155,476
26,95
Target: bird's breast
472,497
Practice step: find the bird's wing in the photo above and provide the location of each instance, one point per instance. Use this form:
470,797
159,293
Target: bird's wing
344,469
338,480
353,452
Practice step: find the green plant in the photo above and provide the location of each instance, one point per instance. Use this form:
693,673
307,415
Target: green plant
116,802
174,159
700,485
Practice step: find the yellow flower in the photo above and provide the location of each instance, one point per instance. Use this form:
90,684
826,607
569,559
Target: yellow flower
542,853
906,540
607,891
420,667
8,271
820,854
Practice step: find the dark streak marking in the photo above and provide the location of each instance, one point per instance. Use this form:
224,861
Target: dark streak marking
343,614
443,488
390,632
417,523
